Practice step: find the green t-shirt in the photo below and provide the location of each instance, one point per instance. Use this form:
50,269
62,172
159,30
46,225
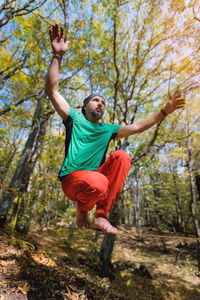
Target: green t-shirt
86,143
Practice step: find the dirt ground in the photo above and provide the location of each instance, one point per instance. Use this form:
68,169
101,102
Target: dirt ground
61,264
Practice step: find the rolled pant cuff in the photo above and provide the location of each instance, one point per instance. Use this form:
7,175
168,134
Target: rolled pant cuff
101,213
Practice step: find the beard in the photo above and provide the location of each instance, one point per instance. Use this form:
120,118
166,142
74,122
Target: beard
96,114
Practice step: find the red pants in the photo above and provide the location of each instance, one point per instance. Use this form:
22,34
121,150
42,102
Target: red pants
100,187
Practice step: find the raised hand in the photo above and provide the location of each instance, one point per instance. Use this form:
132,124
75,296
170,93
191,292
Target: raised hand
58,43
175,102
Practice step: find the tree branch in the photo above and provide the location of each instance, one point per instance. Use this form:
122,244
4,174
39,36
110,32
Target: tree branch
11,12
9,108
139,156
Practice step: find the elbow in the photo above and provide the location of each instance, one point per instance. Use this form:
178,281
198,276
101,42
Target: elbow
47,90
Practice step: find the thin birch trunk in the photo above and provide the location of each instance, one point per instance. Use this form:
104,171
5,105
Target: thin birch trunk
15,183
193,202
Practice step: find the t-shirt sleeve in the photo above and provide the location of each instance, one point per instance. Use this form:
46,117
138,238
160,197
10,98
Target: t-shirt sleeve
115,128
72,116
72,112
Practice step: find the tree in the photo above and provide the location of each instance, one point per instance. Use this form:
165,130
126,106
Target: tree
10,9
16,181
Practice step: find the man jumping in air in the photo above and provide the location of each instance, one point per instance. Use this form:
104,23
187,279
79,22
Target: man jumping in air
86,176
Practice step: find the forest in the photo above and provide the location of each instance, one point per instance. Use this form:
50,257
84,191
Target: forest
136,54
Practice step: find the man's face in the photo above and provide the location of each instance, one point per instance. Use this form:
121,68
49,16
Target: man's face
95,108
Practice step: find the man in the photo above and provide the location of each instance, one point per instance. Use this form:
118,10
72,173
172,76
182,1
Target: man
86,177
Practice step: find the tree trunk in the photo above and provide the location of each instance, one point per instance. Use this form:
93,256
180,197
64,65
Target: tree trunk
109,239
193,195
36,152
138,222
197,178
65,5
9,159
123,211
45,220
28,170
180,215
108,243
15,183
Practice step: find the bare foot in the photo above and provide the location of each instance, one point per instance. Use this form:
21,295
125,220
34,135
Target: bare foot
103,225
82,219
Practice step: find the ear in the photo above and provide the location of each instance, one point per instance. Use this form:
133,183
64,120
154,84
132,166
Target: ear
85,106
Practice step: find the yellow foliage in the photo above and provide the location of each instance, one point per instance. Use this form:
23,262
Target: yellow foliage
7,62
43,259
178,152
122,273
22,244
195,104
16,199
5,59
128,283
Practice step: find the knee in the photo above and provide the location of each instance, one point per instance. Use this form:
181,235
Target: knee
122,155
98,183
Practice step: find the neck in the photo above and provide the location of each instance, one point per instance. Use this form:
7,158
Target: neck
91,119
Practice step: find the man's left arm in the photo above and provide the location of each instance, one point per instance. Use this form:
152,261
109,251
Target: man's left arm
175,102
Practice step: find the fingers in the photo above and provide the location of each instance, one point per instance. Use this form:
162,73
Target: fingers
180,106
61,33
51,35
178,99
179,102
54,32
67,43
176,96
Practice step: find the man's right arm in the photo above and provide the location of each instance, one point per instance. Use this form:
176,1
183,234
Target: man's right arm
52,84
58,101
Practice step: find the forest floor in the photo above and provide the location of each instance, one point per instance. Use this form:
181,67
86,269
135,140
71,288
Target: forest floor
65,265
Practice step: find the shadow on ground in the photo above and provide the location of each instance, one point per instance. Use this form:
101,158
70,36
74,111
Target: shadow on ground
68,273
